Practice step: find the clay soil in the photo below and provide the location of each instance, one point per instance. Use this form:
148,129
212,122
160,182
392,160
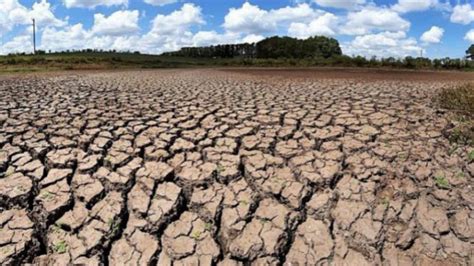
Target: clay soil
233,167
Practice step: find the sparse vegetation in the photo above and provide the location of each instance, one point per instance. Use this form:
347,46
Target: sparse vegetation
196,234
220,168
47,196
114,225
442,182
386,201
460,101
60,247
316,51
470,156
208,226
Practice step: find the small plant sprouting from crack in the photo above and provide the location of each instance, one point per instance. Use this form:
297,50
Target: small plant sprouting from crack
55,228
6,250
60,247
386,201
208,227
453,149
196,234
114,225
244,202
220,169
47,196
442,182
10,171
470,156
403,156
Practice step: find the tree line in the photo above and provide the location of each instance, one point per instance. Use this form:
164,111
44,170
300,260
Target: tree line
314,51
284,51
273,47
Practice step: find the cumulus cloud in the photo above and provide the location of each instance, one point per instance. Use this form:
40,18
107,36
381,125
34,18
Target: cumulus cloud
251,19
120,31
160,2
172,31
93,3
178,21
379,30
345,4
383,44
206,38
372,19
252,38
248,18
462,14
43,13
119,23
405,6
70,37
323,25
19,43
469,36
433,35
13,13
79,38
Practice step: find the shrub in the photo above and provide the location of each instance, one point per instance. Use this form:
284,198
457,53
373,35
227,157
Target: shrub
460,101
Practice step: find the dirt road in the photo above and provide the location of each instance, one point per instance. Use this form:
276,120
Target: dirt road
201,167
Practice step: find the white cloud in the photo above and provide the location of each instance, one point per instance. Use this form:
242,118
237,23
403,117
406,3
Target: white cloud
44,16
78,38
383,44
119,23
206,38
251,19
20,43
171,32
248,18
13,13
405,6
119,31
433,35
323,25
462,14
160,2
178,21
71,37
372,19
469,36
93,3
345,4
252,38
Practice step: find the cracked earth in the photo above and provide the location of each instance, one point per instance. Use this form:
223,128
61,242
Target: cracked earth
206,167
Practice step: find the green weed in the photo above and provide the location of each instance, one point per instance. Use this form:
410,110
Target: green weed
60,247
442,182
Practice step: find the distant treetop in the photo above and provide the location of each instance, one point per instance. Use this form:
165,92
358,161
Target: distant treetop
273,47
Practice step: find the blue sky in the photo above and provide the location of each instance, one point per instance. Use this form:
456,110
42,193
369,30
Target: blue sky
434,28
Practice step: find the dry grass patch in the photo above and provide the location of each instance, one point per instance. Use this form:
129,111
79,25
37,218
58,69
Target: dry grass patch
459,100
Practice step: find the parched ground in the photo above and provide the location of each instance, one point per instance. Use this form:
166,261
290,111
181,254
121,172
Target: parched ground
201,167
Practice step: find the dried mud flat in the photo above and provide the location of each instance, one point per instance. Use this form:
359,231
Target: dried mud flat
205,167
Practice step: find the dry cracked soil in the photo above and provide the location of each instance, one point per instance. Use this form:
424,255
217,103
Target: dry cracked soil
211,167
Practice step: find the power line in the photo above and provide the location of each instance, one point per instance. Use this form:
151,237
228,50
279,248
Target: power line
34,37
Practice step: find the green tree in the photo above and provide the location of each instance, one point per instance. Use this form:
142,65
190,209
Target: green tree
470,52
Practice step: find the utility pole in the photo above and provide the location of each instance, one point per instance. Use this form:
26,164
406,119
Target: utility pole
34,37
